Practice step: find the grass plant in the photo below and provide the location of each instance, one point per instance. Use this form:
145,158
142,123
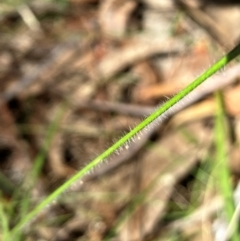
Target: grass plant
223,176
28,184
157,116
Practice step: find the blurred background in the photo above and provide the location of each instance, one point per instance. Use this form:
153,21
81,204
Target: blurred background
75,76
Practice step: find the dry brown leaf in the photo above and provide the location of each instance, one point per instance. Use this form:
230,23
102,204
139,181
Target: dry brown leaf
114,16
207,108
135,51
148,75
207,22
184,70
163,166
56,163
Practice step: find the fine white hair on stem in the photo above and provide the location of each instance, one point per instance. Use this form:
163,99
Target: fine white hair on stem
212,84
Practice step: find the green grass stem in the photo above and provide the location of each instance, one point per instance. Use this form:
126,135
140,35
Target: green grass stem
127,138
223,173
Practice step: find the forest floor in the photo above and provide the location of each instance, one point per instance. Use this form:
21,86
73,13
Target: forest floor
106,65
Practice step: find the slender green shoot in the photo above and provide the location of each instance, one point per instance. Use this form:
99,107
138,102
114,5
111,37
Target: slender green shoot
31,179
28,184
222,172
4,222
134,133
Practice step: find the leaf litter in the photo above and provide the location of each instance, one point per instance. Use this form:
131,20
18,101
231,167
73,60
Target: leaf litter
112,62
